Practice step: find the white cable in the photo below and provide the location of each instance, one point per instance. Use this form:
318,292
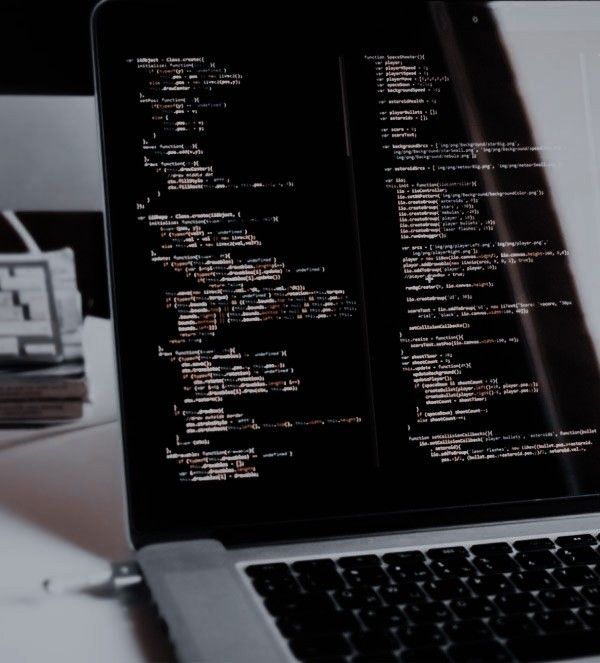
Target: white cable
17,225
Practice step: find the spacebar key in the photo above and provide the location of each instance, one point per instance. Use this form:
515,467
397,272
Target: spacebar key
556,646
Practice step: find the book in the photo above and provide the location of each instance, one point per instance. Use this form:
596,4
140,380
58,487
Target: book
40,412
61,381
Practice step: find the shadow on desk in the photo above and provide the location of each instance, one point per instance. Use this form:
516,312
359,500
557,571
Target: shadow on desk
68,478
70,485
65,495
62,499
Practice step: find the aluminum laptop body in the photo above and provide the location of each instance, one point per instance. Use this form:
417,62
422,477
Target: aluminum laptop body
354,265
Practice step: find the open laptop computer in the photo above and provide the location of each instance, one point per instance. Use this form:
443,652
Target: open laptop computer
355,286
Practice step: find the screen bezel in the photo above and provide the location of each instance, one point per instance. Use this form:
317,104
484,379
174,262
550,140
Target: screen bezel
107,22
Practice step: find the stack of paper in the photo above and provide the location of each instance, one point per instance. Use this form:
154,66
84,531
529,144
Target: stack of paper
42,373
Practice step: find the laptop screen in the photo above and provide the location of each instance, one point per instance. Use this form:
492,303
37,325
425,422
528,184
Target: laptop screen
355,261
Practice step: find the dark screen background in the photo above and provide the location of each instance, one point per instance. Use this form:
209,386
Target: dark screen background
45,48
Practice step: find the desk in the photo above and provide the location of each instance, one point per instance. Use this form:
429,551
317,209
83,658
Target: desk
62,516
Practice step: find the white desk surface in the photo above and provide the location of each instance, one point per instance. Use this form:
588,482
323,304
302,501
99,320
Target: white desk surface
62,517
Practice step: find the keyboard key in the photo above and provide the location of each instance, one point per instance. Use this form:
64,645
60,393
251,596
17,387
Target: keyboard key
513,625
557,621
490,584
517,602
422,635
576,556
576,576
316,623
473,607
358,561
316,574
491,549
321,578
276,585
356,597
371,576
533,580
412,572
555,599
447,553
408,592
385,616
479,652
592,594
382,657
427,612
268,570
328,582
290,603
424,655
404,557
442,590
320,646
556,646
468,631
591,616
496,564
527,545
372,642
576,540
537,559
313,565
449,568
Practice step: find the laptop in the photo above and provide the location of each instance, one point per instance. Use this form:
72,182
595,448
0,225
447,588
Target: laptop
355,286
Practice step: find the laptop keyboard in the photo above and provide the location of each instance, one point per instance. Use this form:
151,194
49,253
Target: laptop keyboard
527,600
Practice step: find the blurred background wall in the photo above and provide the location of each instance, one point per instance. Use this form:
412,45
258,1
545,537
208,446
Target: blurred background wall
49,158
